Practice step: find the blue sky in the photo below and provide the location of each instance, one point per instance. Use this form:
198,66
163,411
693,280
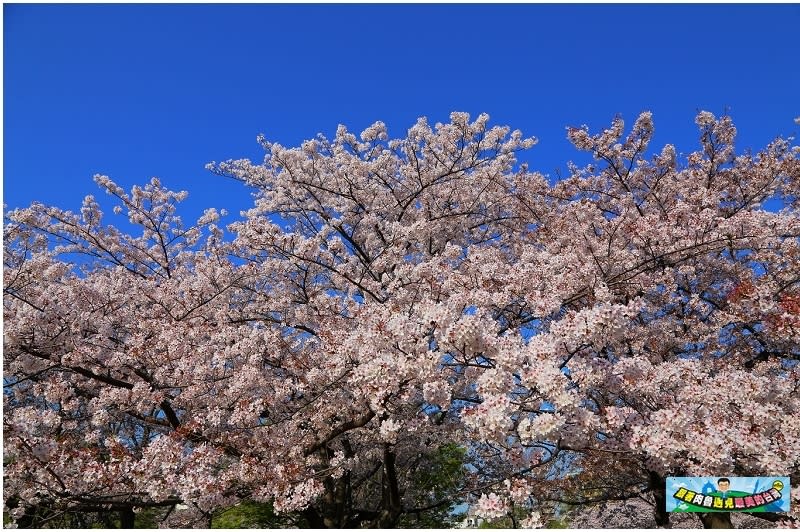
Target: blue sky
135,91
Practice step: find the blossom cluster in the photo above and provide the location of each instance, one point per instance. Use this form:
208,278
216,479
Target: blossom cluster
386,297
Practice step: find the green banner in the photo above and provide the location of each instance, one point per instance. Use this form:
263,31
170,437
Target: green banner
727,494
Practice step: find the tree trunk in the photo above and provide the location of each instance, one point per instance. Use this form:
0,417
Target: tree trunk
658,486
127,517
336,503
313,518
391,504
716,520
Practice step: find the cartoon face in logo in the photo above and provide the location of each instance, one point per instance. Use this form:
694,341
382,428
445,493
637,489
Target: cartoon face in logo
724,485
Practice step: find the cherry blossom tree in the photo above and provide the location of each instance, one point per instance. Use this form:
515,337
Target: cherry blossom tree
384,300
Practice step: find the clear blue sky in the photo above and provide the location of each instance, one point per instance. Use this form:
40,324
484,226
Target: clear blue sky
135,91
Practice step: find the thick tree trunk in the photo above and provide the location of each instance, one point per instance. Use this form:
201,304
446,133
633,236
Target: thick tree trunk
658,486
127,517
716,520
336,508
336,503
313,518
392,506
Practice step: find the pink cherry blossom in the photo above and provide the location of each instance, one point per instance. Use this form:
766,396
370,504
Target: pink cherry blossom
580,339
